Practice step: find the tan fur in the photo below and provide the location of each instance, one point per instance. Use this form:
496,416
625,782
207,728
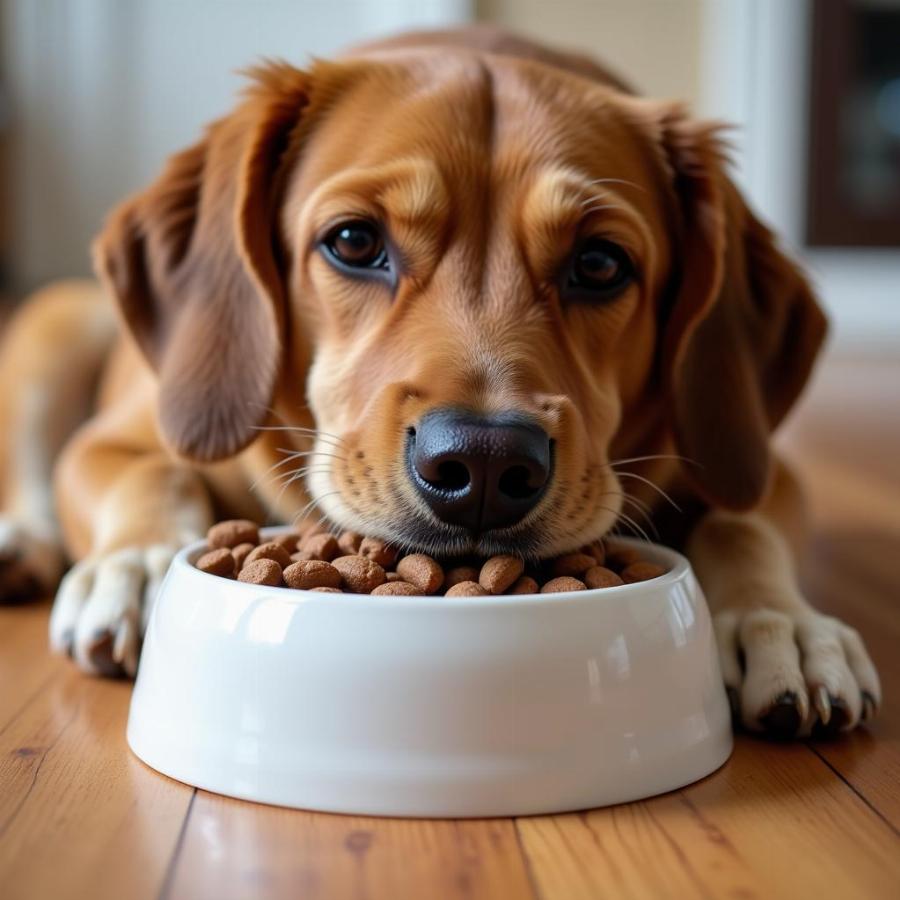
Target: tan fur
486,156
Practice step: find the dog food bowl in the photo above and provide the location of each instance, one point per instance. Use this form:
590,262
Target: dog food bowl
431,706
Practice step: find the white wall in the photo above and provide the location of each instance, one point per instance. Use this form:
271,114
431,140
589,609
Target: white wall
103,90
755,74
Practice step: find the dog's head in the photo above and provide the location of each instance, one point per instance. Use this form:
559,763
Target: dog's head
484,275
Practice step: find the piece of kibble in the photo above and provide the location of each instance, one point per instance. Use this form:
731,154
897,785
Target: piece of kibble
349,542
499,572
393,576
562,584
621,557
378,551
231,533
459,574
261,571
572,564
269,550
467,589
397,589
320,546
240,554
311,574
422,571
601,577
641,571
524,585
359,575
597,549
217,562
288,540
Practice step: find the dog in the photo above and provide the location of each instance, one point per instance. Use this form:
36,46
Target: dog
485,298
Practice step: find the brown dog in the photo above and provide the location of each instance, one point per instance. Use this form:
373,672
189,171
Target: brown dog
485,298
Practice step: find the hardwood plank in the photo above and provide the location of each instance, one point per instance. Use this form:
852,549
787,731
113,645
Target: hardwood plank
79,815
774,822
237,849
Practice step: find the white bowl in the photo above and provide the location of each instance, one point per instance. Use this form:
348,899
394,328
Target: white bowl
431,706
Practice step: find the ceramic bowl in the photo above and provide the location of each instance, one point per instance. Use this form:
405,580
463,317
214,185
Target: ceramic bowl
431,706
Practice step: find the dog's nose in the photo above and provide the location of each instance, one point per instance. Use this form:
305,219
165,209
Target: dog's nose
479,472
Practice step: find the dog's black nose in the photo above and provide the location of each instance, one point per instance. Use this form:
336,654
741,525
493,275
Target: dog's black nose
479,472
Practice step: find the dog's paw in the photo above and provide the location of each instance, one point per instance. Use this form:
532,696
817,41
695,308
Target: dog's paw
30,562
795,674
102,607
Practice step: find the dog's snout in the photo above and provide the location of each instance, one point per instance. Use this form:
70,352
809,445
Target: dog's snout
479,472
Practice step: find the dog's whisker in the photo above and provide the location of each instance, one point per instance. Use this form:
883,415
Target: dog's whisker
633,459
313,503
649,483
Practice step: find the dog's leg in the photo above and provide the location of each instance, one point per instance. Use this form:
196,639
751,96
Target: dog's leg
788,669
137,510
51,354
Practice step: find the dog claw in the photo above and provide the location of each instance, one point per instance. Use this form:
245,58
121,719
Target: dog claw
783,719
102,655
837,721
822,704
869,706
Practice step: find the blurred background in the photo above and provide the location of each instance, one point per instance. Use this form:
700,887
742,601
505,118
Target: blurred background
94,94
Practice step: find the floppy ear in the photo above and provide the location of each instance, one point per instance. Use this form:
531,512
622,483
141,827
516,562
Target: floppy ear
193,264
743,329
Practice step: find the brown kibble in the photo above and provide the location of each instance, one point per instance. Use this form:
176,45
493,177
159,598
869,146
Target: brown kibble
320,546
378,551
467,589
301,556
288,540
261,571
349,542
422,571
641,571
397,589
499,572
393,576
240,554
618,557
597,549
359,574
311,574
231,533
459,574
601,577
572,564
562,584
524,585
269,550
217,562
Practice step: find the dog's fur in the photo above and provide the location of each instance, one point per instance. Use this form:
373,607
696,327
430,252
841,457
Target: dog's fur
484,156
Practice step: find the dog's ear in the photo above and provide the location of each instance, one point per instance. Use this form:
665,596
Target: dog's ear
193,264
742,327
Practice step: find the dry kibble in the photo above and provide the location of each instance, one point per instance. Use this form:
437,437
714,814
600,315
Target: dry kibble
524,585
311,575
597,550
422,571
562,584
601,577
393,576
288,540
269,550
301,556
261,571
641,571
359,575
349,542
240,554
378,551
397,589
467,589
459,574
320,546
231,533
217,562
573,564
499,572
621,557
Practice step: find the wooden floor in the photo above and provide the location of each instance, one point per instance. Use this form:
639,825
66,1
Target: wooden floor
81,817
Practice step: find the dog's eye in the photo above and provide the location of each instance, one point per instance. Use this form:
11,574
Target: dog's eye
357,244
600,266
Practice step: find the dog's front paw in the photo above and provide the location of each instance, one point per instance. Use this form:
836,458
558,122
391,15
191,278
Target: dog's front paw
31,562
795,674
102,606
